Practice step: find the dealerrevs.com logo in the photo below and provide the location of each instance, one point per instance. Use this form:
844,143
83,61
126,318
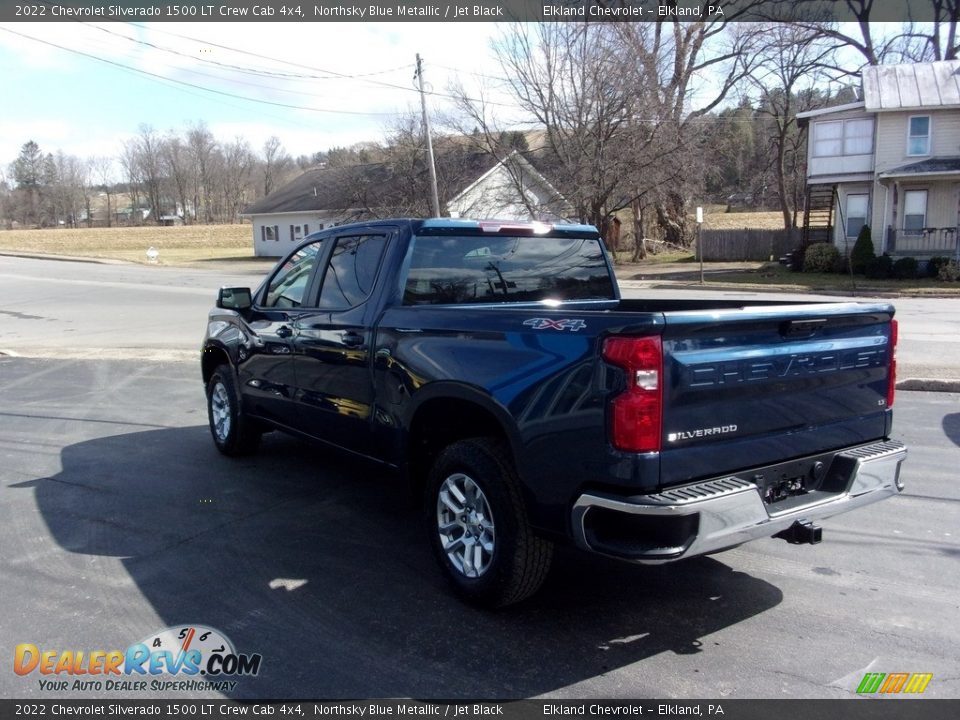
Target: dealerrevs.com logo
184,657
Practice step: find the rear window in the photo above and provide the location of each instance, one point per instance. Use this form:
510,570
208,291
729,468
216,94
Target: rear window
492,269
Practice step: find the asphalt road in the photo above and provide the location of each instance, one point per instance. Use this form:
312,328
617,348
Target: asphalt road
119,518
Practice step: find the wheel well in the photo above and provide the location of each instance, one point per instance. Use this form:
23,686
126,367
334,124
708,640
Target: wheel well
440,422
213,357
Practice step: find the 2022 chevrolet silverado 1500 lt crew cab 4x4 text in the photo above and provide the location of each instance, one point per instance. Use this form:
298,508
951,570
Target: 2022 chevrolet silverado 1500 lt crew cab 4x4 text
497,367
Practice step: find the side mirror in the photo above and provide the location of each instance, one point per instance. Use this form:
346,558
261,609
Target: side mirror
238,298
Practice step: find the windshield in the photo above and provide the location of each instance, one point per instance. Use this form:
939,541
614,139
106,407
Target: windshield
491,269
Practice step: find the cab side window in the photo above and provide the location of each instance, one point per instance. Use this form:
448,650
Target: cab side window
353,268
289,283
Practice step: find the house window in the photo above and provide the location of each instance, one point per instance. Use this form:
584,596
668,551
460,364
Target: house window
914,209
918,140
297,232
270,232
843,137
857,207
828,139
858,137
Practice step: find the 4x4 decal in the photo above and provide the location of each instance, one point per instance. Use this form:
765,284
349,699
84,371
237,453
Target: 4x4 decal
546,324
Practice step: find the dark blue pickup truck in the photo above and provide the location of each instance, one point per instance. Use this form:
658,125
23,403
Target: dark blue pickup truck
496,366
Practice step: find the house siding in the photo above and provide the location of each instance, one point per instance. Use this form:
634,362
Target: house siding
943,194
891,145
892,95
284,243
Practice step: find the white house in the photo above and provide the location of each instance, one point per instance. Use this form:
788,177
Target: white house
891,162
474,185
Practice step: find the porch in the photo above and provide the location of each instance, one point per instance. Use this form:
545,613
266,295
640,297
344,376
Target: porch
923,242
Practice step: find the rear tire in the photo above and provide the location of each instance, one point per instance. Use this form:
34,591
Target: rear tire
478,527
233,432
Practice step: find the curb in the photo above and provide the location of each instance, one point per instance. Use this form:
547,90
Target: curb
64,258
929,385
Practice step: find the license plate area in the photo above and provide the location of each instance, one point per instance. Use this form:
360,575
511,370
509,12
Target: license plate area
790,485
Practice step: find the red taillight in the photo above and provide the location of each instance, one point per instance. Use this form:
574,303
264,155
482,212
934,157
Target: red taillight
635,414
892,373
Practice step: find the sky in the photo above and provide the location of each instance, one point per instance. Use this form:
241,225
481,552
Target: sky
85,88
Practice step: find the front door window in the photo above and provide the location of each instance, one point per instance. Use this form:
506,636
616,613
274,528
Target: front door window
915,210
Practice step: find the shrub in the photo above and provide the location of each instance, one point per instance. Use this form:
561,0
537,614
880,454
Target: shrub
820,257
842,265
950,271
934,264
862,252
906,268
879,268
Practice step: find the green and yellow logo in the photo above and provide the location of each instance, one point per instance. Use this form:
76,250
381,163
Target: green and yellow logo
892,683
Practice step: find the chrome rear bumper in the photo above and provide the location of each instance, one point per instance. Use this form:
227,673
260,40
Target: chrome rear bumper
723,512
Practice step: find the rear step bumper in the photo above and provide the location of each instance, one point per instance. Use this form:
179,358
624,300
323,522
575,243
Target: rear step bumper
716,514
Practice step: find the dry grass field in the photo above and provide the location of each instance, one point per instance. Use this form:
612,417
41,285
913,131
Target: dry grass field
175,244
714,218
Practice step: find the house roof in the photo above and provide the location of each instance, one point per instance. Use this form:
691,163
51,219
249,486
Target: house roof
371,185
912,86
524,162
930,166
830,110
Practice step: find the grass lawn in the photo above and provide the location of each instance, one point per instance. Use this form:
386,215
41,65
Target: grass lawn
775,275
176,245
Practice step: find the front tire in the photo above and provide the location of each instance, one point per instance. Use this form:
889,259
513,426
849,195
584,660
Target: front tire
478,527
233,433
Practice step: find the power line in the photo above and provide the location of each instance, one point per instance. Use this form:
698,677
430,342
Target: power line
231,69
194,86
240,68
315,69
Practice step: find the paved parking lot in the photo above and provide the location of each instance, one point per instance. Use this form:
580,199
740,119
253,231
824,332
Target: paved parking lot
119,518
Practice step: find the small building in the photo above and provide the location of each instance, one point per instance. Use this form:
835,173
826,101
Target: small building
891,161
474,185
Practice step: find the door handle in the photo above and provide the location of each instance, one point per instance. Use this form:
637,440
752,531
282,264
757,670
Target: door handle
284,331
352,339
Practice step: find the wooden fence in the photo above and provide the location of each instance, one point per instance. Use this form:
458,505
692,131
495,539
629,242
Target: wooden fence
746,244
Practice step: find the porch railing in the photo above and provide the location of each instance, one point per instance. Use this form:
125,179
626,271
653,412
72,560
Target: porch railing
926,241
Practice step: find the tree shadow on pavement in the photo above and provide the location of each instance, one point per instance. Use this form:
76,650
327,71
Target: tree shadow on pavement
319,564
951,427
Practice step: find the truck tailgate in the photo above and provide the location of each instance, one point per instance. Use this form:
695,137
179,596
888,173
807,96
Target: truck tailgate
747,387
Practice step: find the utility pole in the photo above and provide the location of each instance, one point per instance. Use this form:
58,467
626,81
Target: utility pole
434,199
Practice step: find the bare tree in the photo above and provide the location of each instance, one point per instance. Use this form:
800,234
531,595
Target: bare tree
143,156
130,163
202,149
790,64
879,42
277,164
612,105
568,77
179,172
65,183
237,160
101,168
670,60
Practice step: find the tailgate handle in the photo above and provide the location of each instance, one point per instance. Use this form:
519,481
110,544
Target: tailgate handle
801,328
